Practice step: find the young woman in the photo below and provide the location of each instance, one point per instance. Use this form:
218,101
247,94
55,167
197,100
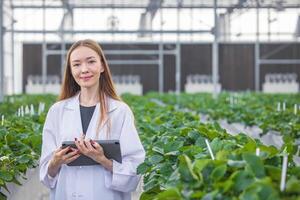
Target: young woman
89,109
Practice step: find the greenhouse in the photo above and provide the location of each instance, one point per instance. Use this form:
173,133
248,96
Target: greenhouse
149,99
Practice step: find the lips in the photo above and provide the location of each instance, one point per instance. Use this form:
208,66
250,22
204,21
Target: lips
85,78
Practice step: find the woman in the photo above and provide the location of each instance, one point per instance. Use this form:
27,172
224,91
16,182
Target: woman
89,109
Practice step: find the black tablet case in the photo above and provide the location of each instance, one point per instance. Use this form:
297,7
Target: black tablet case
111,150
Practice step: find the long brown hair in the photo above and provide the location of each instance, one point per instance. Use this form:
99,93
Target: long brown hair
106,86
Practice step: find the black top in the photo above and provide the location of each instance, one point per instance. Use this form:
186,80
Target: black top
86,114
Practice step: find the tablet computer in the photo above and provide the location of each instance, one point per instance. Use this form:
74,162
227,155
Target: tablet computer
111,150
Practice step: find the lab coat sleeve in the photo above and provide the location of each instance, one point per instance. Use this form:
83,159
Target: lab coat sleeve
48,147
123,176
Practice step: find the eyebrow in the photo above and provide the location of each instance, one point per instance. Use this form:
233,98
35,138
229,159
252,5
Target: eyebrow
87,58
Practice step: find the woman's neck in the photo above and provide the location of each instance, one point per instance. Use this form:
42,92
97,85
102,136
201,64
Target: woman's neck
88,97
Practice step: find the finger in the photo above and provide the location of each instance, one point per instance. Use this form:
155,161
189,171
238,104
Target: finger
82,147
82,136
67,156
97,146
89,145
71,159
64,150
73,149
77,143
85,141
72,154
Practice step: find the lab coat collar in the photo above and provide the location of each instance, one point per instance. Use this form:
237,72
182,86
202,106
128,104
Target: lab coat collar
73,103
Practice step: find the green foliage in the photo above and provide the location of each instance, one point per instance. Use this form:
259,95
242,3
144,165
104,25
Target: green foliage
20,138
178,162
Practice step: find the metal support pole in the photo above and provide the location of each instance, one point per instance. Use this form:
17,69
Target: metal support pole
178,72
32,31
257,59
13,51
215,52
269,24
160,69
1,53
62,48
44,46
161,58
178,60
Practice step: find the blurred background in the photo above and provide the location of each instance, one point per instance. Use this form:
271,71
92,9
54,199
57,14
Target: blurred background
155,45
158,50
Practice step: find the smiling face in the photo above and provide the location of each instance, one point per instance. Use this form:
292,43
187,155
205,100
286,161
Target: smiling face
86,67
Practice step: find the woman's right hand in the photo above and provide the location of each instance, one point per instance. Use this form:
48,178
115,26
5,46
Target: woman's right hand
61,156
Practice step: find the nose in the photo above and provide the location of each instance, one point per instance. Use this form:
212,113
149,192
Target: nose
84,68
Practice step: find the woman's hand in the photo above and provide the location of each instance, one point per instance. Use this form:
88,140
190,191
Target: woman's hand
62,156
94,151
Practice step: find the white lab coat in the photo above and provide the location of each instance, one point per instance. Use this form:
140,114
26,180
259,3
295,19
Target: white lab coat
63,123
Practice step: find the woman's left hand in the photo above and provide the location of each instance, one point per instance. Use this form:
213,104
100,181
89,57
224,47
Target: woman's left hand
93,150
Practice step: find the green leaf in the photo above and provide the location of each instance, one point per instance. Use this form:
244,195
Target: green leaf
147,196
241,180
200,142
186,168
211,195
158,150
236,163
216,144
150,185
185,131
6,176
273,172
143,168
156,159
293,185
200,164
250,146
261,189
255,164
23,159
2,196
218,172
194,135
173,146
169,194
197,195
222,155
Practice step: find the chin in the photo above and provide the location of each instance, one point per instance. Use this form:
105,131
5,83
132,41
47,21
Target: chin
87,85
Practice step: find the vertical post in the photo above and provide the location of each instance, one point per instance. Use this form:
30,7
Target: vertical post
269,24
1,53
44,49
160,68
178,60
257,59
62,47
178,68
13,50
215,52
191,22
63,53
161,58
